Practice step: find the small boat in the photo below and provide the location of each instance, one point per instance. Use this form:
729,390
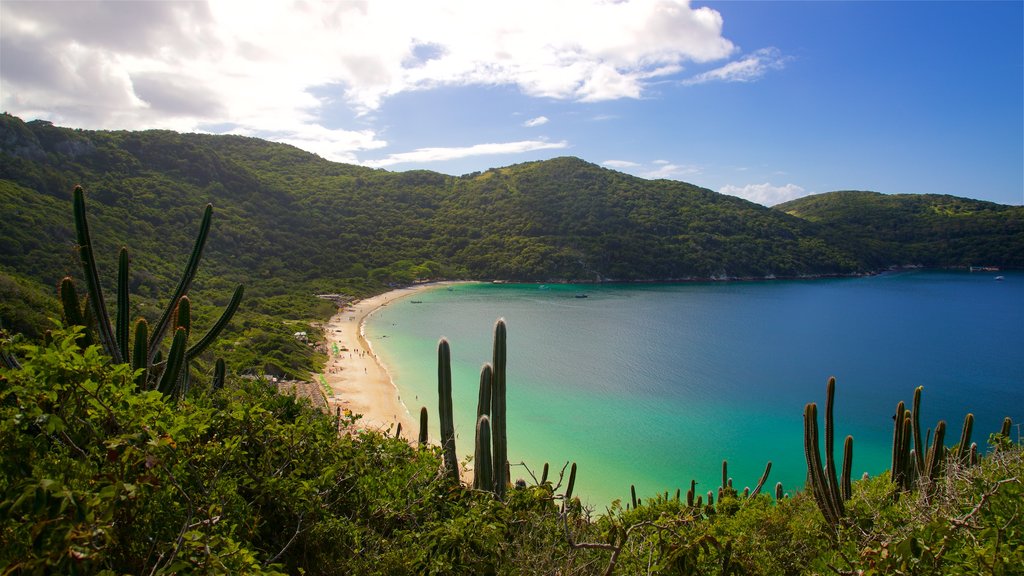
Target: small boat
1000,278
416,301
580,295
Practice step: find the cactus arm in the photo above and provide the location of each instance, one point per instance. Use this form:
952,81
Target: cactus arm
219,326
831,475
483,403
444,393
121,320
482,468
572,482
183,285
92,280
963,449
219,373
897,444
812,452
175,358
764,478
73,311
139,360
498,410
922,449
846,483
423,438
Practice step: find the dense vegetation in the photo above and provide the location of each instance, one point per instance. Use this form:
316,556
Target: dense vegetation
100,477
918,229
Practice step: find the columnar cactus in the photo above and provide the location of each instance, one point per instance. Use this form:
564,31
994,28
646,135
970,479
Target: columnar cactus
482,470
444,410
764,478
423,426
114,340
824,484
963,450
498,412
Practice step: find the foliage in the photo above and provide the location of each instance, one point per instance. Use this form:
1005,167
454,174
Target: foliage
918,229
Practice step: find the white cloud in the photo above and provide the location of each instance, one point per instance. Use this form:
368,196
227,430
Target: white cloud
538,121
746,69
765,194
620,164
274,66
668,170
453,153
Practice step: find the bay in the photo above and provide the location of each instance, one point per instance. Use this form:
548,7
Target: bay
653,385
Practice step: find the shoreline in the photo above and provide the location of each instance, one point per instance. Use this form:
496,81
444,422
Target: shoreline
356,379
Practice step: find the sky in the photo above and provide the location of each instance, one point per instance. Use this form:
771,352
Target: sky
768,101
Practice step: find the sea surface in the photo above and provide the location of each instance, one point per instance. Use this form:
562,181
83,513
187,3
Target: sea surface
653,385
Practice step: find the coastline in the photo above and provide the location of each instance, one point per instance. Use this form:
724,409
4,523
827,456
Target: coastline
358,381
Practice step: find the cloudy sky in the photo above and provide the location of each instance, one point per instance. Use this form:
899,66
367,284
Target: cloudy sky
768,101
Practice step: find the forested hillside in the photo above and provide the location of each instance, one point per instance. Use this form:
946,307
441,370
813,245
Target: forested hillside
289,224
923,229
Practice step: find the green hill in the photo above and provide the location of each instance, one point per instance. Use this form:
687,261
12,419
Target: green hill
926,229
289,224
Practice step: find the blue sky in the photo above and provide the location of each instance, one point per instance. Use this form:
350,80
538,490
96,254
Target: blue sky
764,100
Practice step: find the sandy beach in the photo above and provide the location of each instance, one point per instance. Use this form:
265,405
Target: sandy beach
358,381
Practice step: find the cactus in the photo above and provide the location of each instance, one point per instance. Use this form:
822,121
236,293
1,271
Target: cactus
963,448
175,358
72,310
899,445
544,474
498,410
689,498
423,426
830,463
219,372
825,486
764,478
936,453
1007,426
779,493
444,393
921,450
483,467
571,484
121,319
114,340
847,485
482,470
139,360
725,474
632,493
483,402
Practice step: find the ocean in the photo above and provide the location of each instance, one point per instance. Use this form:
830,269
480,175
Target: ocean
653,385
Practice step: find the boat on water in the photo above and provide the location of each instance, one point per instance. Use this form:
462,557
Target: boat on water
581,295
1000,278
416,301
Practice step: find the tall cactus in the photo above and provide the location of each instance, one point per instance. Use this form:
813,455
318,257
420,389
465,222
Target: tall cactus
764,478
920,449
423,426
444,410
482,469
826,487
498,412
115,340
963,450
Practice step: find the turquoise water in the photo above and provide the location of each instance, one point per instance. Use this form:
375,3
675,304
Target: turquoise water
653,385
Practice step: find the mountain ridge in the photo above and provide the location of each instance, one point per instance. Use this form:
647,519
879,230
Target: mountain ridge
283,211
